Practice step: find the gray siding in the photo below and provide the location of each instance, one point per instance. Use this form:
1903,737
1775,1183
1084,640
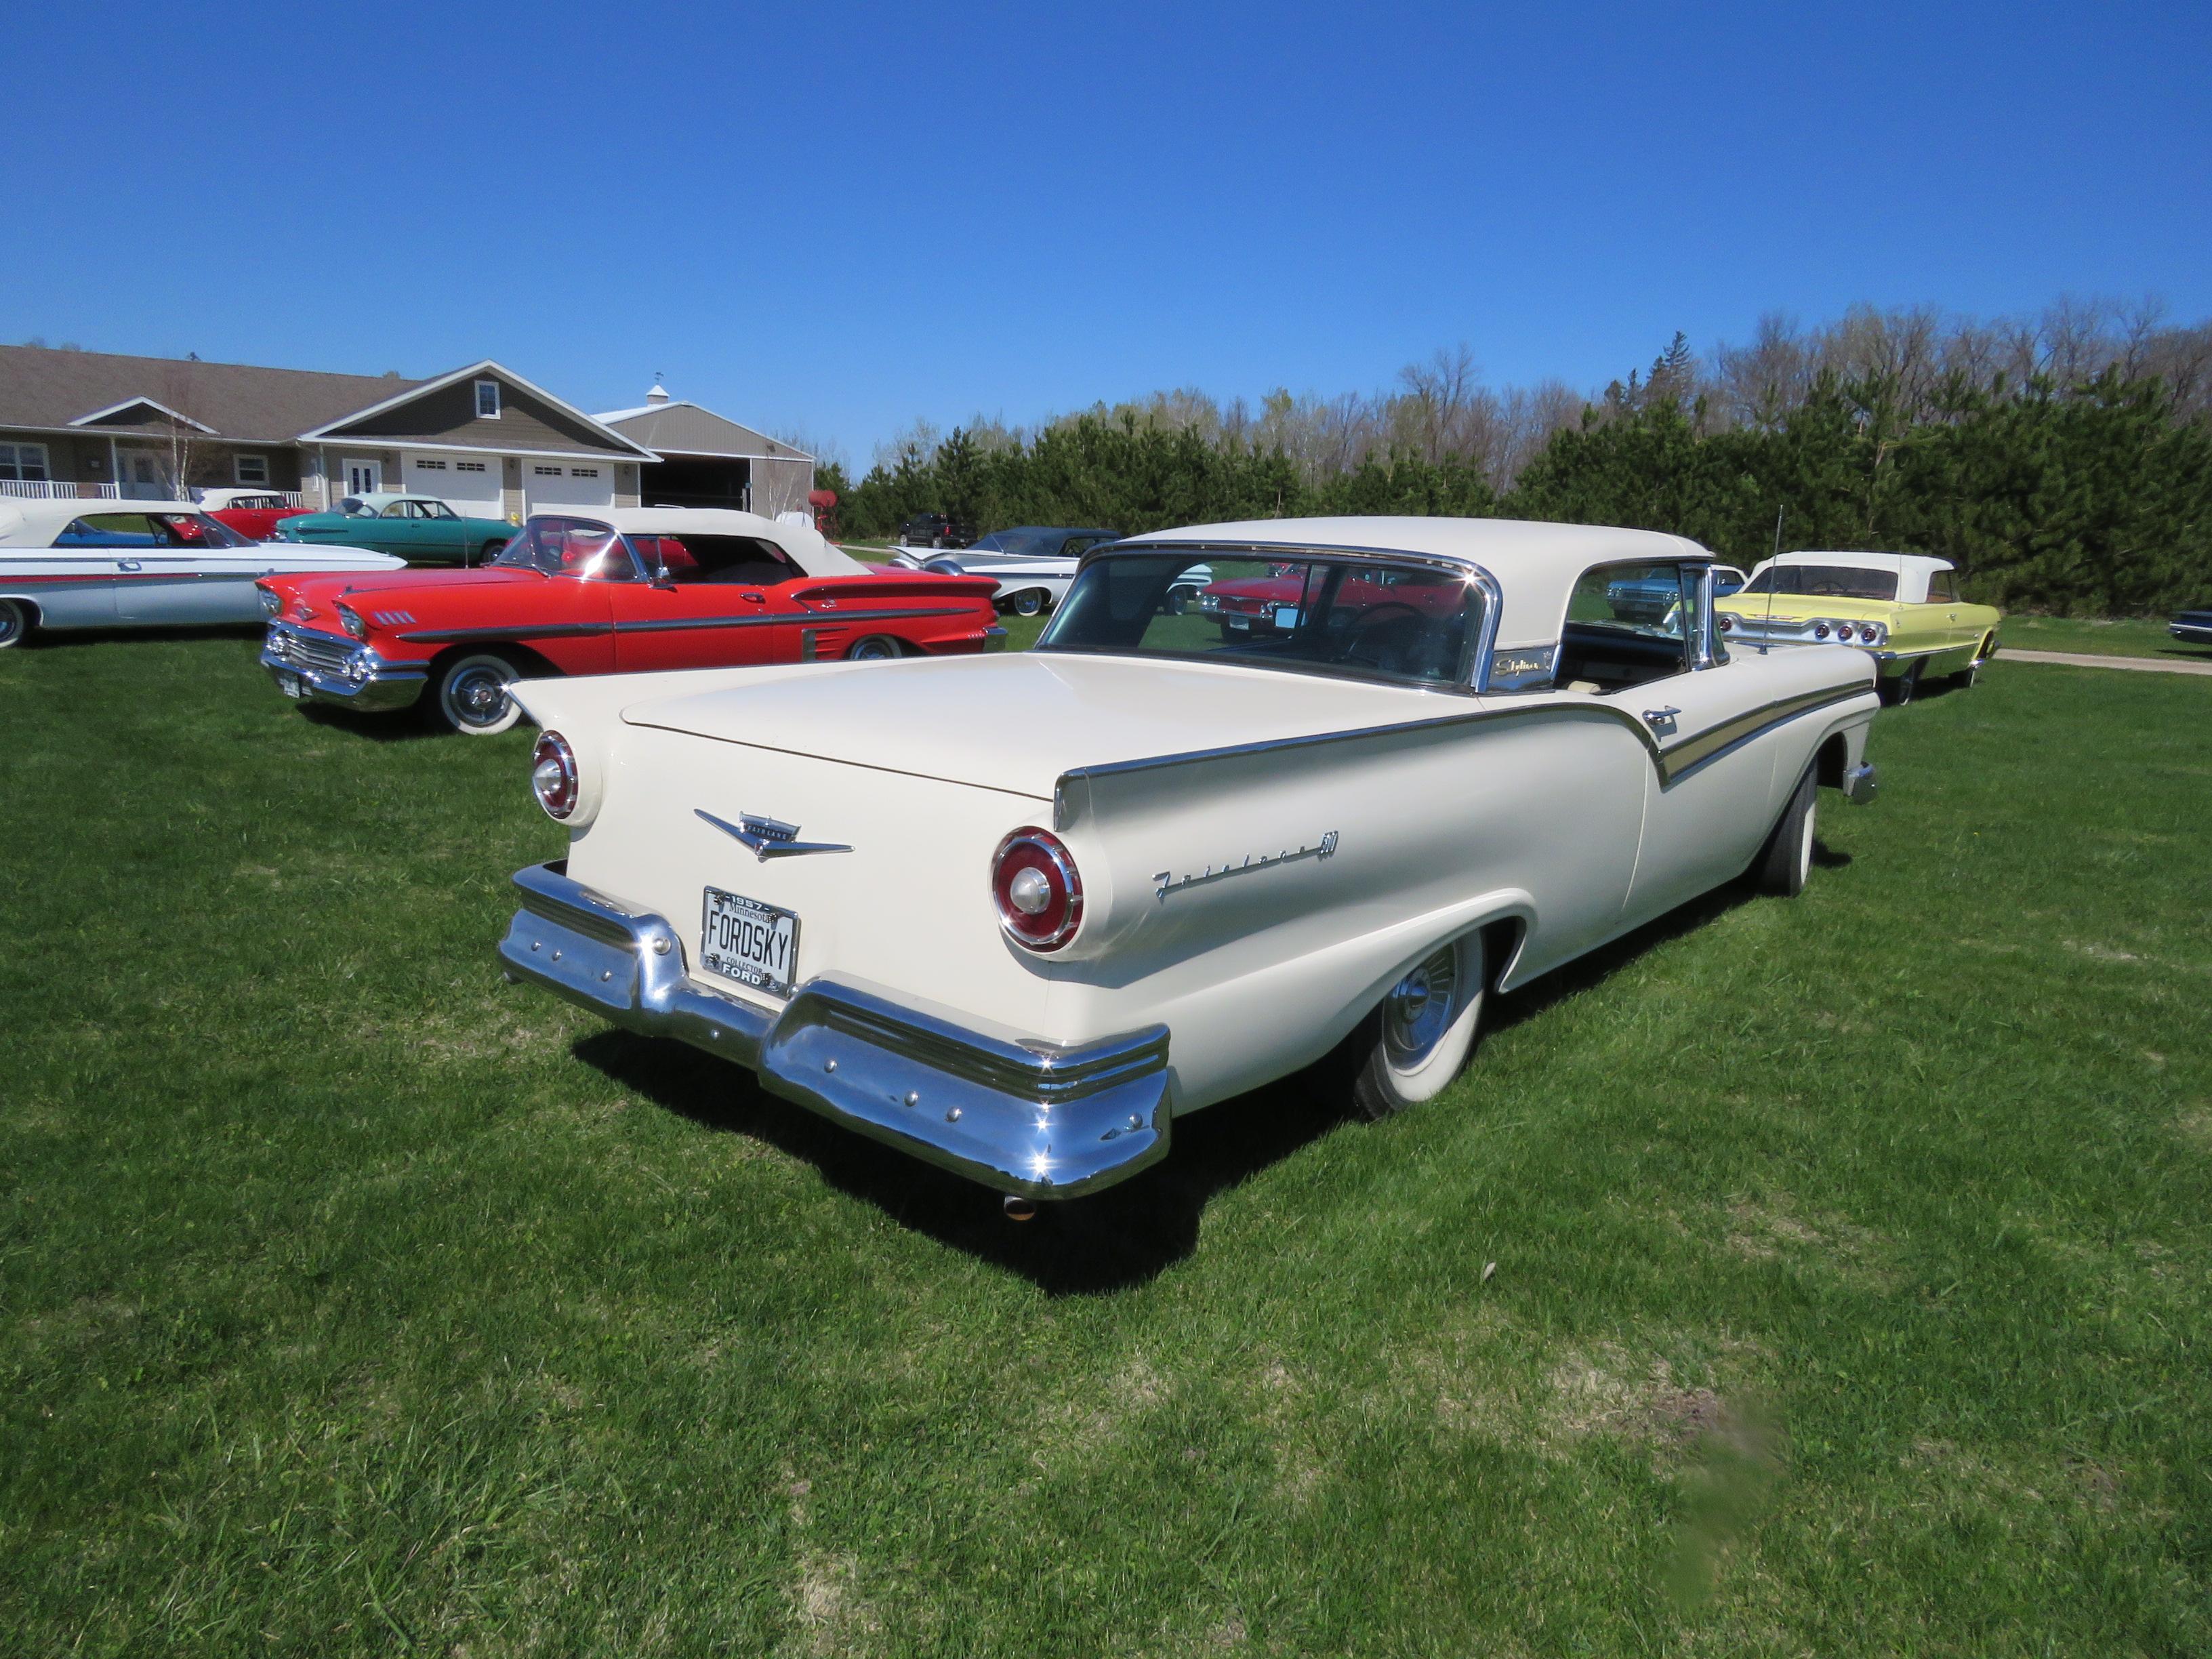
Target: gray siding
449,416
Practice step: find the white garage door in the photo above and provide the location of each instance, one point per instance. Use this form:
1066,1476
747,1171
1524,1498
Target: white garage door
469,487
554,484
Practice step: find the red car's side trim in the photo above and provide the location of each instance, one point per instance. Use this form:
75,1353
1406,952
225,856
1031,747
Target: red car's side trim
677,624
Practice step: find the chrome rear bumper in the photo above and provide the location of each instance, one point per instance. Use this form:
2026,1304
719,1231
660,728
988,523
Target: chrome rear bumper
1013,1112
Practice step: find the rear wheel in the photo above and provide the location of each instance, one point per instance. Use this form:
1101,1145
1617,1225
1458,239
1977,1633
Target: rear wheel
1901,689
1028,604
488,552
1417,1041
1786,860
15,623
1972,672
471,694
876,647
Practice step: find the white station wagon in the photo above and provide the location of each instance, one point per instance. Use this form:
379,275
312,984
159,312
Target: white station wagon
1414,760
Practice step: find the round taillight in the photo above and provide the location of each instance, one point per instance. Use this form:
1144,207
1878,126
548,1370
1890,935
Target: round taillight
1036,888
553,775
1820,630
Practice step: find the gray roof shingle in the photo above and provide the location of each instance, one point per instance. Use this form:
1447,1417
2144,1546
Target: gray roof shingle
44,387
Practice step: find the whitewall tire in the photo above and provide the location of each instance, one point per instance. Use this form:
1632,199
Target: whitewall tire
1785,863
1418,1040
470,696
15,623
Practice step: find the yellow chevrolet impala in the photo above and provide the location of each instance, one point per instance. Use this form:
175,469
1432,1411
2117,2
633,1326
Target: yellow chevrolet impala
1901,609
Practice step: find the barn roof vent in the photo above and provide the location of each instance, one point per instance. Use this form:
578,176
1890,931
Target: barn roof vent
658,396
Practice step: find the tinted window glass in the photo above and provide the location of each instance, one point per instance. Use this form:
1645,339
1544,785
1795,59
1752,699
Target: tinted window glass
1826,582
1943,587
1360,617
188,529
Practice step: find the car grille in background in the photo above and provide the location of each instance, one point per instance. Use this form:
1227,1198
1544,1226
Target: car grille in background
319,652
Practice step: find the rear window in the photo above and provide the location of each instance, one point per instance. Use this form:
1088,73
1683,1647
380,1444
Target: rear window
1360,618
1826,582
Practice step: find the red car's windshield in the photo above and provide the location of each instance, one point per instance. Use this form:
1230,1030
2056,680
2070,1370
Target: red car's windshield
568,547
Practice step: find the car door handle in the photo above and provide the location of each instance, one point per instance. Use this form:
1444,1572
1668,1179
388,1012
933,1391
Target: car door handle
754,599
1660,720
127,564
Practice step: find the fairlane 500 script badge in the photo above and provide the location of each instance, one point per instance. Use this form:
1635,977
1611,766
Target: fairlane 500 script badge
1167,882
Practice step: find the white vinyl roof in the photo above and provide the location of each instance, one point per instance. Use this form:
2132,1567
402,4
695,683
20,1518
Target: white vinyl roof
814,553
36,523
1535,564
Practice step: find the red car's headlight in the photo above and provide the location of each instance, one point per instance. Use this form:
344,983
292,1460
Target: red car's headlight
553,775
1037,889
349,619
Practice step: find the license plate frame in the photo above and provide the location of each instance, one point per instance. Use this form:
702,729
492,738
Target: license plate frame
293,685
753,964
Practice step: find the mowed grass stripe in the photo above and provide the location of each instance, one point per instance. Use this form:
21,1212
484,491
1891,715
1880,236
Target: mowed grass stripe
1851,1254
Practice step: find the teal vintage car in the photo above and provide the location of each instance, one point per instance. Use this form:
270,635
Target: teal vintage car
421,529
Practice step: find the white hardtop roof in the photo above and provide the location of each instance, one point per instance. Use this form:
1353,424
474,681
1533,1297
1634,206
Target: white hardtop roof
1535,564
35,523
816,555
1902,564
223,497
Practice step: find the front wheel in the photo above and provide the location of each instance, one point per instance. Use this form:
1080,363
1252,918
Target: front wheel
1786,860
488,552
15,623
472,695
1417,1041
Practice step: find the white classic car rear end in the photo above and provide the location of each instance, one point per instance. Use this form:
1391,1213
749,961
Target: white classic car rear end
1215,859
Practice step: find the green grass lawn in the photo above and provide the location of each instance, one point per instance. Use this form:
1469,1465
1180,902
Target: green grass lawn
2125,637
1853,1255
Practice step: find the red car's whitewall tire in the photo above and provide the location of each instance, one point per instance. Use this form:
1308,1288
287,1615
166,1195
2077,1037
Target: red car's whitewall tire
470,694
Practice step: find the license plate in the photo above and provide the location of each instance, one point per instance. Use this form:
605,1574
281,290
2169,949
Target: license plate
750,942
1240,624
292,685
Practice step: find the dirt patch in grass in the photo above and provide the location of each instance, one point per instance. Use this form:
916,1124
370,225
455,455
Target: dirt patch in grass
1772,1229
832,1616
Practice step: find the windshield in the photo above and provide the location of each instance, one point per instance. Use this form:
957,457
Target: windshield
186,530
1366,617
568,547
1826,582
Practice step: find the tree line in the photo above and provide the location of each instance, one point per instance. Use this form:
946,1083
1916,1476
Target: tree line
2063,464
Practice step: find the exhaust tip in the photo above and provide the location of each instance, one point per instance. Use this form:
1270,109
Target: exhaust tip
1019,1208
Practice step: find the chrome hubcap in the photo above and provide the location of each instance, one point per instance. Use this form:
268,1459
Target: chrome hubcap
480,697
1418,1009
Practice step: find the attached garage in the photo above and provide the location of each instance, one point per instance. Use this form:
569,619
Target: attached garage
549,485
468,484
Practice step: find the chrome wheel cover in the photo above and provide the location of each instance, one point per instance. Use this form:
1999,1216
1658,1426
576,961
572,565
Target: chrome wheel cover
1419,1010
11,624
477,697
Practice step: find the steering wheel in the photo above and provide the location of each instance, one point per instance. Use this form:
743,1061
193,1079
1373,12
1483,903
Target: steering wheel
1372,622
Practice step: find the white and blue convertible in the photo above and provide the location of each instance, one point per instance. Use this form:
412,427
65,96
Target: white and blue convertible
74,564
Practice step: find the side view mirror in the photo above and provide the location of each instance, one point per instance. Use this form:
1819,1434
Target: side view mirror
661,578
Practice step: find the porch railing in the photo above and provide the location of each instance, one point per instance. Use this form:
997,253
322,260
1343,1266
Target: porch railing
42,489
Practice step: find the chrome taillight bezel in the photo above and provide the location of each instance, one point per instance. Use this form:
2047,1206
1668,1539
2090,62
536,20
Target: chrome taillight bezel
1031,847
559,800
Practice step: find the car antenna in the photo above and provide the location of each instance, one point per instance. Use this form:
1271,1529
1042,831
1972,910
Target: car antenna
1773,580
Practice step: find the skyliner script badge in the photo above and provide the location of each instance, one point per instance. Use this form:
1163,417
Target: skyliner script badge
1168,883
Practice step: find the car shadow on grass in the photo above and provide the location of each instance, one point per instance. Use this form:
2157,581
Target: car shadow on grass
385,726
1129,1233
70,639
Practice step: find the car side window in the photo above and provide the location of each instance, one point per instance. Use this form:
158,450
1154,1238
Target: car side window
1943,589
736,560
109,529
436,510
400,510
1627,625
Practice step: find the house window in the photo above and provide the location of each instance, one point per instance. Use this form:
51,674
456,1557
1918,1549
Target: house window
547,472
253,469
468,467
487,400
583,472
23,463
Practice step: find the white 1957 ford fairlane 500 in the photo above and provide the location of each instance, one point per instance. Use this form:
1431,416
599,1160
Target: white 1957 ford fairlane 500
1447,765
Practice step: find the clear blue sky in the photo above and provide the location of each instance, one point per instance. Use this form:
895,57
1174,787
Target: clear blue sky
835,218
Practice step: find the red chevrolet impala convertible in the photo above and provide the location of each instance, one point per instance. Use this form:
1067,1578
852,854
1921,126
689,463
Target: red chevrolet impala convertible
624,591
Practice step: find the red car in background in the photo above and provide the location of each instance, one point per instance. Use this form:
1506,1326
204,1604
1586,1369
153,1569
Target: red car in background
251,513
624,591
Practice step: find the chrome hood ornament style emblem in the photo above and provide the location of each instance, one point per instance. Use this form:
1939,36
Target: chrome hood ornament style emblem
769,838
